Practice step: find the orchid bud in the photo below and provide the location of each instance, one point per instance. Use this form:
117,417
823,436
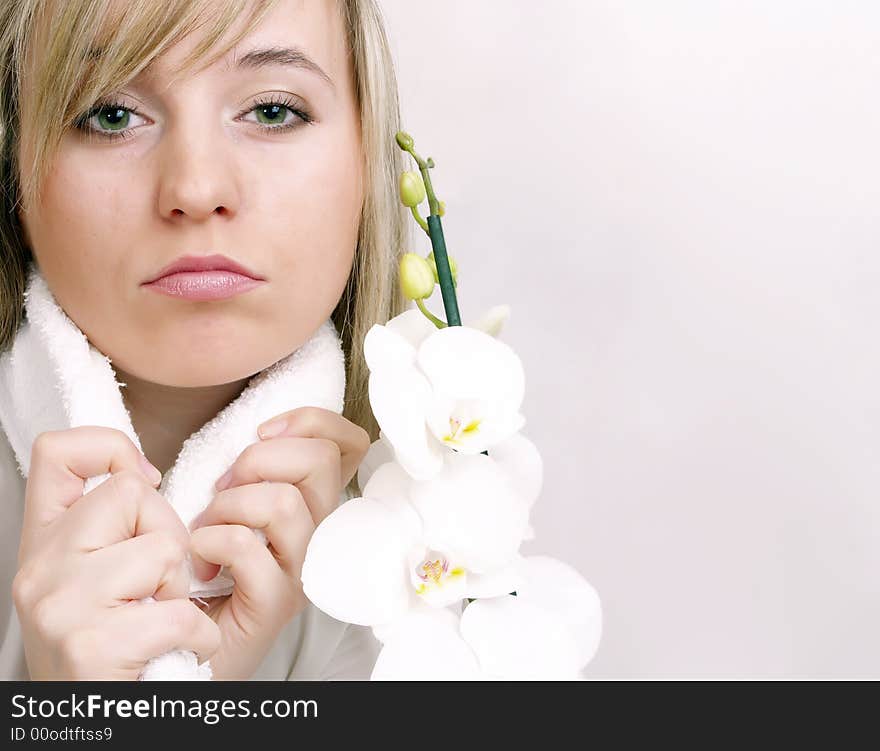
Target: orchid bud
404,140
452,267
416,279
412,189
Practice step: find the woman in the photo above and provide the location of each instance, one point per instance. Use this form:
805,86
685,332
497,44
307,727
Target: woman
121,156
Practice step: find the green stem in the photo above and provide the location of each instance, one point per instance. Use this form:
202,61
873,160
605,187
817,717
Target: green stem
444,272
435,230
430,316
418,217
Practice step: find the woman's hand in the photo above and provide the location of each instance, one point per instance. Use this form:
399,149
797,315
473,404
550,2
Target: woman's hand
86,560
284,485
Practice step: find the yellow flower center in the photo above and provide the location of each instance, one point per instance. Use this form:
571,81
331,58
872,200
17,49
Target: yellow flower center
457,432
433,573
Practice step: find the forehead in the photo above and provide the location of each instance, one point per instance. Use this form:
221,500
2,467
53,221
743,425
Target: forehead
303,34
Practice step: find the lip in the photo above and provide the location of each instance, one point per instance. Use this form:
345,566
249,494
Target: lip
214,262
213,277
204,285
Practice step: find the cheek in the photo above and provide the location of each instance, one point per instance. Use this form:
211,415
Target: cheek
78,234
82,218
315,209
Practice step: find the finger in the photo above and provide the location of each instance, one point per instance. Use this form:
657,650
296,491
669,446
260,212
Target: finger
139,631
151,564
312,464
61,461
315,422
252,566
277,508
129,635
121,507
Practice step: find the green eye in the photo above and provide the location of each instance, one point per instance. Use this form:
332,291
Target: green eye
274,113
113,118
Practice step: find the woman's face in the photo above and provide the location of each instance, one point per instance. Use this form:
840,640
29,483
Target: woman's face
202,172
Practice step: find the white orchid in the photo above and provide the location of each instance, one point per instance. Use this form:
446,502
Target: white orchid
378,557
403,556
550,631
435,390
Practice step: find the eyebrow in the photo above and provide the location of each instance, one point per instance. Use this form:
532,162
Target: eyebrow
291,57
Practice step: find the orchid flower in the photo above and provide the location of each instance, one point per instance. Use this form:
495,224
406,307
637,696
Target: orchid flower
550,630
379,556
433,390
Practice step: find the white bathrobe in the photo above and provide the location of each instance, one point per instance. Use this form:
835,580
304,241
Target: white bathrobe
53,378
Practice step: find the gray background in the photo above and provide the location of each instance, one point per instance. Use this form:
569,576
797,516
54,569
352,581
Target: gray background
679,200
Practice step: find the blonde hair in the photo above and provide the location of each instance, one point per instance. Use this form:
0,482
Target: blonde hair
71,78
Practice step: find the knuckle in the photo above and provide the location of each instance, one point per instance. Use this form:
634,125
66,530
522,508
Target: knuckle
329,450
44,443
241,538
169,549
45,617
128,483
306,417
285,500
24,587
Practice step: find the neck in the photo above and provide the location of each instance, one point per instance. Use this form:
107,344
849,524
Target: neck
165,416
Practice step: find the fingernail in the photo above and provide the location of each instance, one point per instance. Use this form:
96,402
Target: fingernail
223,481
272,428
153,474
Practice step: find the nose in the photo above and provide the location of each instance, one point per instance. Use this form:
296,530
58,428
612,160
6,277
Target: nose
197,175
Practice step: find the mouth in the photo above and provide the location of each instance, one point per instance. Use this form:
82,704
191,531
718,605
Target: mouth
201,264
204,285
202,278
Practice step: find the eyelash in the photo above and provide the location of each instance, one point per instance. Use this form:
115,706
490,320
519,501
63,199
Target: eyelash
81,124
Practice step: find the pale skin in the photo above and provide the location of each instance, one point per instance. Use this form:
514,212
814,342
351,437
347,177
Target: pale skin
285,204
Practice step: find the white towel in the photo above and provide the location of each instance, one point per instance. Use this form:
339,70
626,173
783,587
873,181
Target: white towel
53,378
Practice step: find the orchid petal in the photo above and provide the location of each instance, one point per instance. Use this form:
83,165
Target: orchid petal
398,397
471,364
559,588
413,326
519,457
477,387
470,426
518,640
471,511
355,564
501,581
385,349
390,485
426,647
384,632
492,321
380,452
